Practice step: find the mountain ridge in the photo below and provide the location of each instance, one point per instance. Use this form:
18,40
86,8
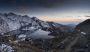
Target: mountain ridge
84,26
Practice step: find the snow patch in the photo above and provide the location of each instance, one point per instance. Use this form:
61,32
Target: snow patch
83,33
5,48
22,37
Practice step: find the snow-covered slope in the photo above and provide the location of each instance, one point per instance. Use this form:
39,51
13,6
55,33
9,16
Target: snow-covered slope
3,26
16,21
16,24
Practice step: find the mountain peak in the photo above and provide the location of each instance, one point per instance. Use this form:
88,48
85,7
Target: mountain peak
84,26
9,14
87,21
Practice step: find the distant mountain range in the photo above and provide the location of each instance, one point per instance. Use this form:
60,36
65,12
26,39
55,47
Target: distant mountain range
16,24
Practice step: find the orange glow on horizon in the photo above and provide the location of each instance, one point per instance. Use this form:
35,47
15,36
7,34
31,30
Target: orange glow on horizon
63,19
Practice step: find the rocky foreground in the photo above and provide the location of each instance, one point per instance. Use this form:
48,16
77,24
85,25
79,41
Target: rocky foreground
70,43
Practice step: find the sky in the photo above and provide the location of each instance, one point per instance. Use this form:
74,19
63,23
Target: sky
61,11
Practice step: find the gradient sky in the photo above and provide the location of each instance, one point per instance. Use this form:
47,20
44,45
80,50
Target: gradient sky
62,11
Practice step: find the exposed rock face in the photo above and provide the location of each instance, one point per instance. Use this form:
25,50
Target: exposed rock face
15,21
3,26
84,26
